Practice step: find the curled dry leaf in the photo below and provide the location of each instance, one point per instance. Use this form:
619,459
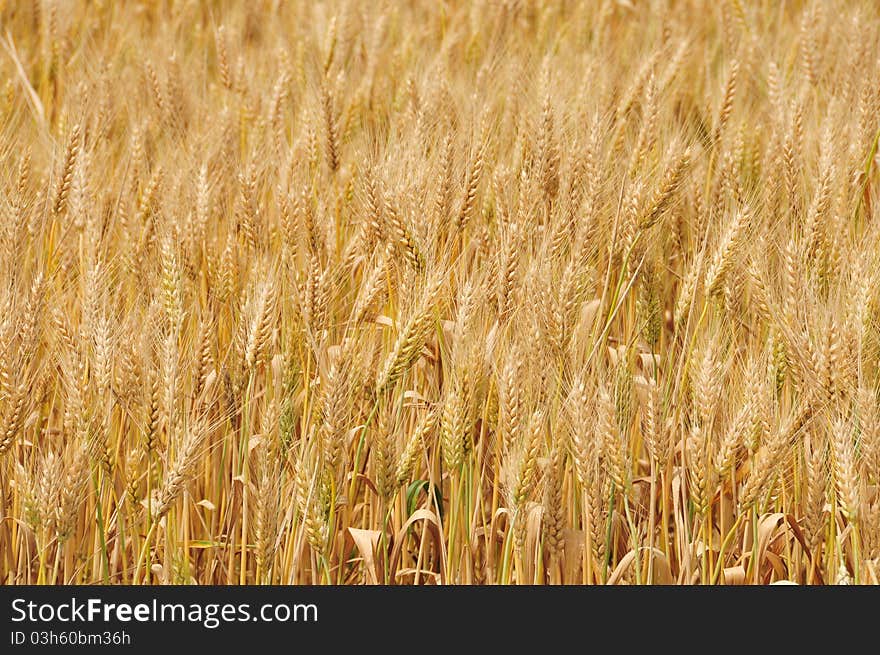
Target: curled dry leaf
366,542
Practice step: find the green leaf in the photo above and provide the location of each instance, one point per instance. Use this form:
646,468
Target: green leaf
412,494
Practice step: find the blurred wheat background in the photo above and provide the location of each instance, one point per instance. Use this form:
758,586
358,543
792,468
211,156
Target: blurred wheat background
495,292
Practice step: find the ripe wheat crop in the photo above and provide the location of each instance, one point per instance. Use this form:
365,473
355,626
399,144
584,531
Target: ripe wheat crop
497,292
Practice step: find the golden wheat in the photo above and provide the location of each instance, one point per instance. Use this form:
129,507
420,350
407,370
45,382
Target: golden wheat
502,292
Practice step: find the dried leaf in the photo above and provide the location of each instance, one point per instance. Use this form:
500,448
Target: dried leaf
366,541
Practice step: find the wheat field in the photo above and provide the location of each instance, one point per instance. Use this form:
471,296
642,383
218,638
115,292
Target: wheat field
492,292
